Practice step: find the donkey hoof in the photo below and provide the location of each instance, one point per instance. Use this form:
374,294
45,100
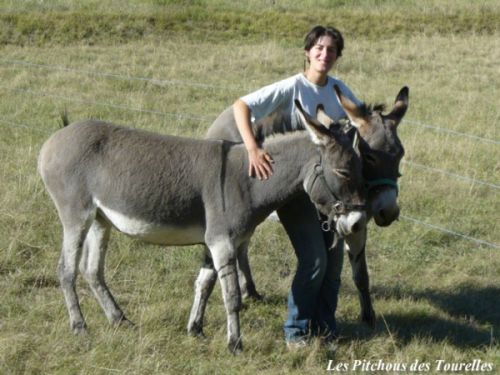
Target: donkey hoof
121,320
195,330
235,347
198,334
253,296
79,328
369,318
124,322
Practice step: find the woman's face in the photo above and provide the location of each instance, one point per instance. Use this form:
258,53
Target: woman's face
322,55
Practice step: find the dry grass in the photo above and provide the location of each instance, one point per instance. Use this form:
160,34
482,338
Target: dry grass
435,293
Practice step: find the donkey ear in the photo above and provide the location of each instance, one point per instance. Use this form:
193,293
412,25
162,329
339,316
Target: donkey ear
319,134
400,107
351,109
322,117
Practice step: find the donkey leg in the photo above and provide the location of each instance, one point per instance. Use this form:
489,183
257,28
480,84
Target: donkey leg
224,257
73,237
247,285
361,279
357,258
203,287
92,269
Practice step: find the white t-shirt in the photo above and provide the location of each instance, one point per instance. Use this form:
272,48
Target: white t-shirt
281,96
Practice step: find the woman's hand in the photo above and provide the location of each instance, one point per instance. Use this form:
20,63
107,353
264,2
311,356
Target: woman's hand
259,163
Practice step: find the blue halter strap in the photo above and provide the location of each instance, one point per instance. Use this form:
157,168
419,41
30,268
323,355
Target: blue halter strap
381,182
378,181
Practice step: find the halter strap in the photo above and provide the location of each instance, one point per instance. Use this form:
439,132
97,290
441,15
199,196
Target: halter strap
381,182
377,181
339,206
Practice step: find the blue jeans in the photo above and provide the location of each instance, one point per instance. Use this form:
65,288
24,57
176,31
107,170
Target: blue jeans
312,300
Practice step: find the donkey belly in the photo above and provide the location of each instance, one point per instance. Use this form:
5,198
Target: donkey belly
157,233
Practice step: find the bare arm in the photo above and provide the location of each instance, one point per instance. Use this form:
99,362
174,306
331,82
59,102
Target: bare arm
259,161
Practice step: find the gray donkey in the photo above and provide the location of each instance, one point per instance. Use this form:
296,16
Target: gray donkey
179,191
381,153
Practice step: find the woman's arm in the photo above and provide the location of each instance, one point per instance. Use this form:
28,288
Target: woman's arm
259,161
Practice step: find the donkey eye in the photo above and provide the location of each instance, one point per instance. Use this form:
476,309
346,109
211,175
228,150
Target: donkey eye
343,173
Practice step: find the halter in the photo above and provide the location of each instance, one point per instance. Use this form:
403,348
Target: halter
339,207
381,182
370,184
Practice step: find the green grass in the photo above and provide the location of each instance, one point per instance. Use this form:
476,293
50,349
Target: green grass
63,22
435,294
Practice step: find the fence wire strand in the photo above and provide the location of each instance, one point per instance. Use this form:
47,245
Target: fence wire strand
413,220
208,120
450,232
405,217
165,82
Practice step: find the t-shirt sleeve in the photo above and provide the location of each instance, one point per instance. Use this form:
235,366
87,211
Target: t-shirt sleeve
269,98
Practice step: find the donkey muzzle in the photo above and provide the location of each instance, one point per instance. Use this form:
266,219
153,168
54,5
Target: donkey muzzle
350,223
384,207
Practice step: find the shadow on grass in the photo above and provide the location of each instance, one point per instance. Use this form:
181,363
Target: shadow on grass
476,304
466,301
469,307
461,334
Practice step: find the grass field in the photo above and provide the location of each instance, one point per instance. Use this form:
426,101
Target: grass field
172,67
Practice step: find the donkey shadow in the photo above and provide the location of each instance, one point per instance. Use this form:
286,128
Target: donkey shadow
469,308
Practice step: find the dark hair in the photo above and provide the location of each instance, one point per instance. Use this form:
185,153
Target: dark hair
319,31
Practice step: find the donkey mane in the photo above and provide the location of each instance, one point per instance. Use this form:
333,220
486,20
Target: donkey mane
277,136
368,109
277,123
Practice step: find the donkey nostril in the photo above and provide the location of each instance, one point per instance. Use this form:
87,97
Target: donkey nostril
388,215
382,214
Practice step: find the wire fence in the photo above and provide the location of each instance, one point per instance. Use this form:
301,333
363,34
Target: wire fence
204,119
452,132
450,232
451,174
208,120
180,116
165,82
95,73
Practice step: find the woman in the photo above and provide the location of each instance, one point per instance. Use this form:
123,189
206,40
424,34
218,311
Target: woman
312,300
